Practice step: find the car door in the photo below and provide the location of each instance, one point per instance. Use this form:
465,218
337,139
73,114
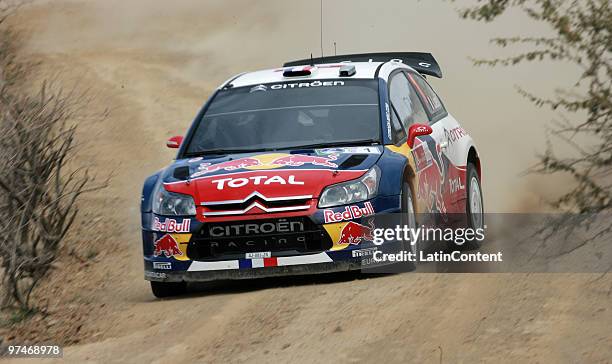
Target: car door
447,153
407,109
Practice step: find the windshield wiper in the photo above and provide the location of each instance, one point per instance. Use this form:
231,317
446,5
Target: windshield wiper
227,151
306,146
336,144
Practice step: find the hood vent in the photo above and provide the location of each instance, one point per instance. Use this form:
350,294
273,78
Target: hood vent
181,173
353,161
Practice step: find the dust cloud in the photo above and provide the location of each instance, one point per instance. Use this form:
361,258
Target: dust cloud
203,43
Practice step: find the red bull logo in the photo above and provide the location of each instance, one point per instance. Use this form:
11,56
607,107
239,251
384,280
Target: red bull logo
263,161
227,166
171,225
297,160
430,176
349,213
431,190
354,233
167,246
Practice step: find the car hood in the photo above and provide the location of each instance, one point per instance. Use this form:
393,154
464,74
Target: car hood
252,183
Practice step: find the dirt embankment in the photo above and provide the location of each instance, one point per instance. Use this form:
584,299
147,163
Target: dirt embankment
152,65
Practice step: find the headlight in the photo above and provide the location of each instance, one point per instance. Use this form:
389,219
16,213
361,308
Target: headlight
354,191
170,203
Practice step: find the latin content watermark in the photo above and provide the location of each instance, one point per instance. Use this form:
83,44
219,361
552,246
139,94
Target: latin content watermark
422,236
506,242
439,256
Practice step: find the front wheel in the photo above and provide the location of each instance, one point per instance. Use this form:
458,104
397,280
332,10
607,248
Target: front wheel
168,289
474,206
409,219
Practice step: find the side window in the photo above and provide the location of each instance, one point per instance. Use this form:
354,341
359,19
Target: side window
399,133
405,102
432,101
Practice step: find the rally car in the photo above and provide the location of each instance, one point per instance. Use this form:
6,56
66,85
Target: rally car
283,170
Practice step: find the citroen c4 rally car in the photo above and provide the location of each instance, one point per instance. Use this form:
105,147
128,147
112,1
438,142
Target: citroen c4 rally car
283,169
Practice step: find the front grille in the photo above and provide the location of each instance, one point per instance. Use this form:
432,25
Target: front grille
255,203
271,204
234,239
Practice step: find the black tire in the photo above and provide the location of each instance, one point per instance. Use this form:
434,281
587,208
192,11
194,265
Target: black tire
475,219
168,289
409,218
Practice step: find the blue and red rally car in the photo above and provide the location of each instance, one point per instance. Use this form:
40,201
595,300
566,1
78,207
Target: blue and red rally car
282,170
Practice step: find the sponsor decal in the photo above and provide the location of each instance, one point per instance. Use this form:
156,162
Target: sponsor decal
296,160
162,265
280,226
431,174
167,246
273,242
354,233
256,237
281,86
266,161
454,134
258,255
230,165
157,275
255,180
171,225
349,213
363,252
348,150
455,184
388,117
420,129
183,242
422,156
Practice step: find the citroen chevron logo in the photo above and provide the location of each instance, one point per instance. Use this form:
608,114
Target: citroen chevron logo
259,88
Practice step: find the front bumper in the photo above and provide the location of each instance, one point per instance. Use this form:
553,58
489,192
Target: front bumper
363,263
341,256
236,274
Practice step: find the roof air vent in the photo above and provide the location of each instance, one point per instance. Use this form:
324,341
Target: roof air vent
347,70
300,71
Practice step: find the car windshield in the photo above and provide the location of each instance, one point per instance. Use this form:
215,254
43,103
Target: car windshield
289,115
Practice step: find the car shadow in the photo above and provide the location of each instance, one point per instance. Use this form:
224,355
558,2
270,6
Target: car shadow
200,289
221,287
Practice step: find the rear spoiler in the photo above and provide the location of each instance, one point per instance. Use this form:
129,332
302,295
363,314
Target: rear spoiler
423,63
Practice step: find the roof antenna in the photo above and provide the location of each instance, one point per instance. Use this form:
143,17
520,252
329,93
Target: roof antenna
335,51
311,60
321,28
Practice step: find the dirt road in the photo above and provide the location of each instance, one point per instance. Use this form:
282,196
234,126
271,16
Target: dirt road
421,318
152,65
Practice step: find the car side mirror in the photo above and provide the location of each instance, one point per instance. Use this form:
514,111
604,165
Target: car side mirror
174,142
416,130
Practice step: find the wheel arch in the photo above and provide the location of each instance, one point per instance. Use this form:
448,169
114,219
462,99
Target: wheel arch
410,176
146,197
474,158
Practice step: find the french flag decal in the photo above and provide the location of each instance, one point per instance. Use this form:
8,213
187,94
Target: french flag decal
245,264
270,262
260,262
257,263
